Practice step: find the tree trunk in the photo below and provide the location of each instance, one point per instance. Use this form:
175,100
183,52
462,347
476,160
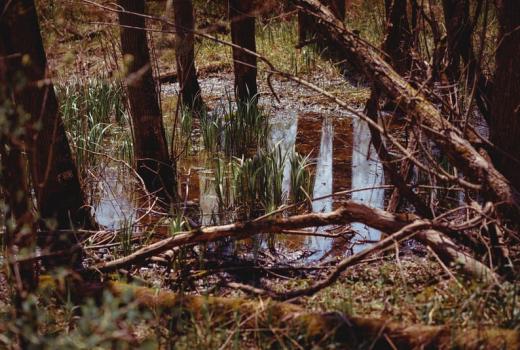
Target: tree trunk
243,35
150,147
459,30
306,23
505,121
182,11
20,229
59,196
399,38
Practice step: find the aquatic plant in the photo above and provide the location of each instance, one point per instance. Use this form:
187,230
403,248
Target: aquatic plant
257,182
234,130
91,110
124,236
301,177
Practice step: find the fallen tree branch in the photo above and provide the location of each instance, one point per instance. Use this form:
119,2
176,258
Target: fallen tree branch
401,225
349,212
445,248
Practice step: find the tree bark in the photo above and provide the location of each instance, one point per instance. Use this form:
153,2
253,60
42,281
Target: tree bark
184,20
459,30
150,147
20,228
243,35
306,23
59,196
399,39
505,120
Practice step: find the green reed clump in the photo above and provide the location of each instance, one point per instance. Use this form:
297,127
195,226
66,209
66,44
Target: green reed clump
125,236
88,147
301,177
257,182
234,130
85,103
223,189
92,110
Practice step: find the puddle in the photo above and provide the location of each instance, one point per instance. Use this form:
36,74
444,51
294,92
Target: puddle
283,135
323,173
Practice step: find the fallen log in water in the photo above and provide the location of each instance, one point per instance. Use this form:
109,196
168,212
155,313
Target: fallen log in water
403,225
315,327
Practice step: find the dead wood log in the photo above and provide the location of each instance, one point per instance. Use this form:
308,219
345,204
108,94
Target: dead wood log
403,225
350,212
474,163
316,327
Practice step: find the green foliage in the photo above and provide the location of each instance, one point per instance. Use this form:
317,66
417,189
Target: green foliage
91,102
49,324
301,177
257,182
125,237
234,130
93,111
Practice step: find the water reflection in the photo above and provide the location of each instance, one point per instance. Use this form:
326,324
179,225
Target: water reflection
283,135
114,209
323,177
367,171
208,199
323,186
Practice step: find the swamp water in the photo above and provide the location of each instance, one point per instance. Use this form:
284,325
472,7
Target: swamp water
342,159
341,156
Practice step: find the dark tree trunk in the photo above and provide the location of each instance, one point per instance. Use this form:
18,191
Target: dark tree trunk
20,230
243,35
338,8
505,120
182,11
54,175
399,39
150,147
459,30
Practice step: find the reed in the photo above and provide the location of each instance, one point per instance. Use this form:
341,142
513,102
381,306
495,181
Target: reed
234,130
